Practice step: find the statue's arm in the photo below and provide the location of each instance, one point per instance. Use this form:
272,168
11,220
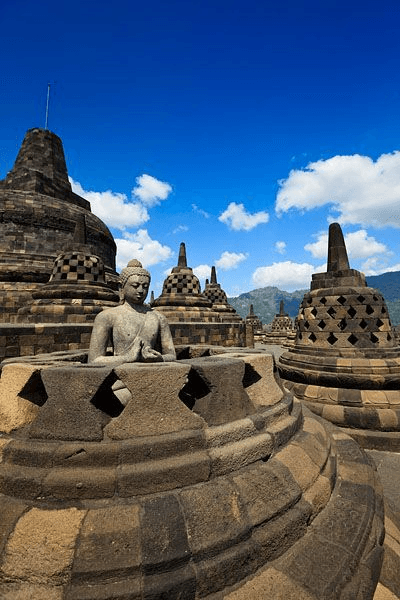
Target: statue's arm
101,333
167,343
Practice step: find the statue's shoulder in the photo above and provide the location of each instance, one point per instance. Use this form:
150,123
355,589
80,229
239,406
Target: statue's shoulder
109,314
161,318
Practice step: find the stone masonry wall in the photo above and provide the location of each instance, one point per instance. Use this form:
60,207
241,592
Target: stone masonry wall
37,229
29,339
26,340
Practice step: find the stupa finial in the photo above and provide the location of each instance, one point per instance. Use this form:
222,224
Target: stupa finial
281,309
213,275
337,253
182,256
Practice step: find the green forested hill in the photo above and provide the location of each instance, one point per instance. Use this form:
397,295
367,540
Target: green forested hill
266,300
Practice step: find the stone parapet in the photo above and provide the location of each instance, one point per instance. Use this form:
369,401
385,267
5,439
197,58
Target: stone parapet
210,481
74,330
29,339
215,333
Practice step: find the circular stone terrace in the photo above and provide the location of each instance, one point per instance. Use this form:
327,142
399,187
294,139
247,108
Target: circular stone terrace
212,482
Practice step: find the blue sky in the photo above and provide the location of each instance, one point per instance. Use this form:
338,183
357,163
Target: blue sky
240,128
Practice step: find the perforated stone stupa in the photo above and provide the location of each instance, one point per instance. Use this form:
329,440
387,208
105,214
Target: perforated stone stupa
190,313
181,298
76,291
219,300
38,213
210,483
346,363
253,321
282,328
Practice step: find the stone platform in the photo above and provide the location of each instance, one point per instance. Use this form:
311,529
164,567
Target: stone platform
211,483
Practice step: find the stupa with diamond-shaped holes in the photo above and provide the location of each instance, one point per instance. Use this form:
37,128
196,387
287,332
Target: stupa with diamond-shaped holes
345,364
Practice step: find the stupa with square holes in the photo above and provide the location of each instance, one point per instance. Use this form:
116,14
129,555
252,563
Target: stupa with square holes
192,317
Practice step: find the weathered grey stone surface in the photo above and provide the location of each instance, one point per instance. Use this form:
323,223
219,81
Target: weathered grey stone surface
137,332
215,390
238,510
68,413
259,380
152,411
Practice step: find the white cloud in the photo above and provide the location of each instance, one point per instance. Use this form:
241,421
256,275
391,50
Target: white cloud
202,271
150,190
113,208
280,247
180,228
236,217
230,260
286,275
116,210
140,245
375,266
200,211
359,245
359,189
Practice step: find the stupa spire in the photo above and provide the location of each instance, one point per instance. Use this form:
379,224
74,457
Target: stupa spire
182,256
213,275
337,253
40,165
281,309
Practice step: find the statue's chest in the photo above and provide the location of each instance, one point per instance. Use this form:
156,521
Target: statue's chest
143,326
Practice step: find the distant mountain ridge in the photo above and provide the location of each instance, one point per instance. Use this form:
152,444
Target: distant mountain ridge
266,300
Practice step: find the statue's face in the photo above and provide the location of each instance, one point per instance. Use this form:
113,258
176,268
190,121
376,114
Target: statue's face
136,289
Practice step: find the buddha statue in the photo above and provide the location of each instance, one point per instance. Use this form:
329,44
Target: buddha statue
135,332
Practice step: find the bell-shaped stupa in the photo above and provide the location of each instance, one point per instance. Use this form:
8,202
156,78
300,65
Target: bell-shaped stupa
345,363
190,313
181,298
282,328
219,300
39,212
77,289
253,321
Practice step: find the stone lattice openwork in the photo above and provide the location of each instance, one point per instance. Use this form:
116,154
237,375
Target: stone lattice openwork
346,362
282,328
190,313
219,300
253,321
181,298
76,291
211,480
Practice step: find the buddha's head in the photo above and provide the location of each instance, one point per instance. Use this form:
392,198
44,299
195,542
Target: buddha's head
135,282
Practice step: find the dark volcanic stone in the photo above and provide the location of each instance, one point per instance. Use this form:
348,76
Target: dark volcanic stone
68,413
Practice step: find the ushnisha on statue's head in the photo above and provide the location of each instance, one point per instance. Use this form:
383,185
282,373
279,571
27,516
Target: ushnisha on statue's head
135,282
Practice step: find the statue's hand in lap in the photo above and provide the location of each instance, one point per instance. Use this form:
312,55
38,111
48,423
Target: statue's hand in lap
149,355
